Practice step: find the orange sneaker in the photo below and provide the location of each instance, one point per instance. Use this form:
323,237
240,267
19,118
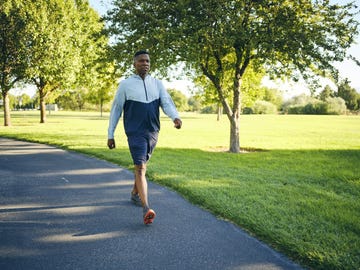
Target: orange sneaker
149,217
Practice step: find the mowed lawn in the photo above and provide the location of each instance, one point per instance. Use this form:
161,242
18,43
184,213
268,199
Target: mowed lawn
297,187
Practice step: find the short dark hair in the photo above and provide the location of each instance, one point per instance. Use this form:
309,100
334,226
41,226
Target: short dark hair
141,52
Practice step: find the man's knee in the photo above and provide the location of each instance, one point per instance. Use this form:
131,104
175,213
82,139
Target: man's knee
140,169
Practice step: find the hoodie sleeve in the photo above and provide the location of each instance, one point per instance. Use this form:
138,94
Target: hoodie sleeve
166,103
116,111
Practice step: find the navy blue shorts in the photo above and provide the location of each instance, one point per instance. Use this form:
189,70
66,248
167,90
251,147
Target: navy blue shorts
142,146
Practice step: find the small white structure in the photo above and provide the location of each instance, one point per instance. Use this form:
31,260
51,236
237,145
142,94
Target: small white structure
52,107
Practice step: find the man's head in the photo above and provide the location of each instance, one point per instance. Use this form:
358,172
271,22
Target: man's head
142,63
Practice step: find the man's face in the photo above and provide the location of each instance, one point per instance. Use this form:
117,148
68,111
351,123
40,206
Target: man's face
142,64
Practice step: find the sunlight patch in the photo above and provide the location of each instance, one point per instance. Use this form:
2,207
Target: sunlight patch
78,237
20,206
83,172
77,210
96,185
13,252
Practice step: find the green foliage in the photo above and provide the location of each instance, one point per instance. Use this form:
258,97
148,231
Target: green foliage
12,43
349,94
71,100
326,93
179,99
273,96
194,104
247,110
13,46
308,105
335,105
97,77
316,107
57,45
251,89
294,109
295,105
264,107
210,109
54,53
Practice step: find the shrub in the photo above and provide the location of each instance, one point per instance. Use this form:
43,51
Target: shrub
294,109
264,107
247,110
209,109
335,105
315,107
296,104
329,106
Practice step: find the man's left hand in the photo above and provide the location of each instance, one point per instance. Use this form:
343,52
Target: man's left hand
177,123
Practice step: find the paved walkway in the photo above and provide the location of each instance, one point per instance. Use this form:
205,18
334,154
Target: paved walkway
62,210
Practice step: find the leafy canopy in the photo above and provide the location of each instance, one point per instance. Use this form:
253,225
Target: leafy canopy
221,39
283,35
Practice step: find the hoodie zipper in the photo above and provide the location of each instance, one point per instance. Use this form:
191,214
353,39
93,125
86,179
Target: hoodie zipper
145,90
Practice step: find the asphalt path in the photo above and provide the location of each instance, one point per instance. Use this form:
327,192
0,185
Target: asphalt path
63,210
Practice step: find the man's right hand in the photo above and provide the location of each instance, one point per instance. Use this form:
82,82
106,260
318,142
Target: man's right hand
111,143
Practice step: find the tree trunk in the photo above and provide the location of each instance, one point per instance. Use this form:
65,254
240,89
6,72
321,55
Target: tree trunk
7,118
234,134
219,111
42,109
235,117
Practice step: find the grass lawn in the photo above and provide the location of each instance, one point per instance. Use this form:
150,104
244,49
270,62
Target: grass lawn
299,192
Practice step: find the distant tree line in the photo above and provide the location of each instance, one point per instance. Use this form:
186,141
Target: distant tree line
267,101
344,100
271,101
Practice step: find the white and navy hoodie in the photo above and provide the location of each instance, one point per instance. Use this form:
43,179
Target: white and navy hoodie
140,100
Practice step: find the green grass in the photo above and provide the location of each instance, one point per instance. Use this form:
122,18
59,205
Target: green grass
300,193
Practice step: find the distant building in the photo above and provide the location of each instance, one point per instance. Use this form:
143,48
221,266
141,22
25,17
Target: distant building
52,107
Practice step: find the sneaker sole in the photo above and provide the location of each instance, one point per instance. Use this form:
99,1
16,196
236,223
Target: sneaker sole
149,217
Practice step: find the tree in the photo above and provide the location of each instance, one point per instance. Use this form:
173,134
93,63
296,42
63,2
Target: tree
103,82
273,96
13,49
221,39
335,105
326,93
54,52
97,77
251,89
104,89
349,94
194,104
25,102
179,99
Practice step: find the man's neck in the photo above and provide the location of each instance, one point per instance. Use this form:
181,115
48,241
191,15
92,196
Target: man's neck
142,75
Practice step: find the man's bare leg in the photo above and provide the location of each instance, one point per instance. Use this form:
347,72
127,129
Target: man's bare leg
142,188
141,183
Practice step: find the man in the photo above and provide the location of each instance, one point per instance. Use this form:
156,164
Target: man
139,97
